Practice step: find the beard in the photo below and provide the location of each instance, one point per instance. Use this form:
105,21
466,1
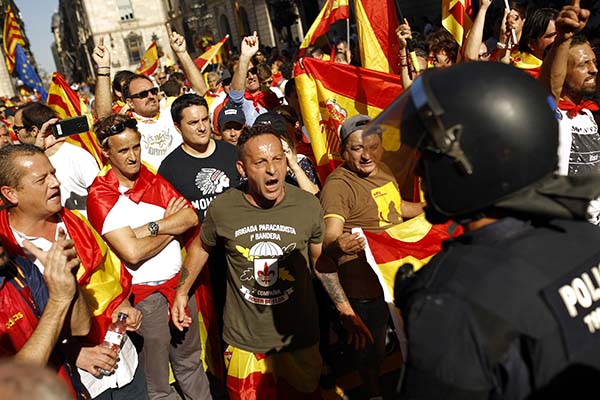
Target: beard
585,92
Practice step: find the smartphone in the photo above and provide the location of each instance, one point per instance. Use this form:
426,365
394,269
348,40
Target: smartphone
70,126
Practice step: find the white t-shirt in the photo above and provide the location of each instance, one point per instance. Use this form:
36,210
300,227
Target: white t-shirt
159,136
76,169
125,212
128,358
578,144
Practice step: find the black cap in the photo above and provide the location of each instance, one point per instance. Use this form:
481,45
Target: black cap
352,125
231,114
274,119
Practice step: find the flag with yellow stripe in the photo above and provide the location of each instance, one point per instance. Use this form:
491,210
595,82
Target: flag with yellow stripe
214,54
149,61
332,11
329,93
456,18
376,24
66,104
12,36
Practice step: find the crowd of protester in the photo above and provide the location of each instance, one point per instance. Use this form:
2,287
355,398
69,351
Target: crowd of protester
210,199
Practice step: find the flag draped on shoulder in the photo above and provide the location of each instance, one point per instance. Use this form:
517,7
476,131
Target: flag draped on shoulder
332,11
66,104
153,189
214,53
27,73
456,18
12,36
104,280
149,61
376,23
329,93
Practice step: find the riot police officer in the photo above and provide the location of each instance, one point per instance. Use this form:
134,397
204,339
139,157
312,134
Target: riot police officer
511,309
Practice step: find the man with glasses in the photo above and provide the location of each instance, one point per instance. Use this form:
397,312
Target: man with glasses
159,136
246,89
145,221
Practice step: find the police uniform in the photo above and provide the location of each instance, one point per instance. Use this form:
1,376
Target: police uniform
504,311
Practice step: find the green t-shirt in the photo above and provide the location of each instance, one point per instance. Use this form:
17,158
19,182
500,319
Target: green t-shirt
270,303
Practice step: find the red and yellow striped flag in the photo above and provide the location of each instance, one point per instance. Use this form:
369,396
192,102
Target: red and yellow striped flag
376,23
215,53
456,18
329,93
332,11
66,103
149,61
12,37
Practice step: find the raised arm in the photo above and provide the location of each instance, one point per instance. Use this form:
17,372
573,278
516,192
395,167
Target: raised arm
249,47
475,37
571,20
59,263
103,94
190,69
404,34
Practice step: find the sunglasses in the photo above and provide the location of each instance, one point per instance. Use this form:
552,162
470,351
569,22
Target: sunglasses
131,123
252,71
267,82
17,128
144,93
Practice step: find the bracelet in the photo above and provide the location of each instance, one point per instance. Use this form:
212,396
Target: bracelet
107,74
103,67
501,46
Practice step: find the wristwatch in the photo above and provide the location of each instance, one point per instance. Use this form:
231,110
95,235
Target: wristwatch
153,228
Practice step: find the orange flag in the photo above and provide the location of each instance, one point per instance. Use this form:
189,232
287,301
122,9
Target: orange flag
456,18
149,61
332,11
66,103
12,37
376,23
329,93
214,52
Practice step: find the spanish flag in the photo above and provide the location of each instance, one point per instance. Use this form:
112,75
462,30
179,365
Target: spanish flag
66,103
376,23
103,278
413,242
329,93
213,53
332,11
456,18
149,61
12,37
154,189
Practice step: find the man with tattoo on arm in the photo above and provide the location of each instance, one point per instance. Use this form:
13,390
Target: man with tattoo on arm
143,219
269,230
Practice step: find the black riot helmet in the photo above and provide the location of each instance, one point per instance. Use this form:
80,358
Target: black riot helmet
484,131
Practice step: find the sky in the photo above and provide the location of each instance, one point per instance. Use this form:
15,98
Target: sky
37,16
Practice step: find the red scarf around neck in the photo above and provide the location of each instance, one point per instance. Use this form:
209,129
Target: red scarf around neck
265,98
573,109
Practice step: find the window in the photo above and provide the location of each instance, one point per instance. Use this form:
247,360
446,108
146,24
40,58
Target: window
135,48
125,10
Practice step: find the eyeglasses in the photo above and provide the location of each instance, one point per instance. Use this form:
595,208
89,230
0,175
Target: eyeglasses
267,82
485,55
252,71
144,93
17,128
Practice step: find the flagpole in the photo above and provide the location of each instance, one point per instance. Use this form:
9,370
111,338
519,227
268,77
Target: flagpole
348,33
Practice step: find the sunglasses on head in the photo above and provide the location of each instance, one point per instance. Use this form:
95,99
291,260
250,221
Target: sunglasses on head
131,123
144,93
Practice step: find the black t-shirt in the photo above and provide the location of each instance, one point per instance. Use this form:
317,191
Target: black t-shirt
200,180
506,311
